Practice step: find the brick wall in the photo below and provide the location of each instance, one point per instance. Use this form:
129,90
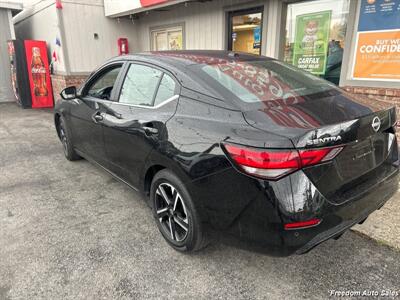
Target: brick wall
378,98
60,82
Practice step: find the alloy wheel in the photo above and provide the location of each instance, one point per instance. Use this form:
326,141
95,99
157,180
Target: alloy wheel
64,140
171,212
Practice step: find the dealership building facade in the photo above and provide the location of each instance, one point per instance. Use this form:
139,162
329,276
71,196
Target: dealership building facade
352,43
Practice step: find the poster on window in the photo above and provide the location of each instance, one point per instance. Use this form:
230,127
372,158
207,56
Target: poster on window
175,40
257,37
377,55
311,42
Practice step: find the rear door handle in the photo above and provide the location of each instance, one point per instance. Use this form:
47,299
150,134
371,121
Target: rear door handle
150,130
97,117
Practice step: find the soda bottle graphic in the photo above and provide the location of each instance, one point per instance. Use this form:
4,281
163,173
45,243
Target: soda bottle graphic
38,73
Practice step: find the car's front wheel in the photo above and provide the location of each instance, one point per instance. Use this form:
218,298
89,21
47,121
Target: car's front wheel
175,213
66,141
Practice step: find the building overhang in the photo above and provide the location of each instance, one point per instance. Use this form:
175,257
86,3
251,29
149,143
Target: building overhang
119,8
14,7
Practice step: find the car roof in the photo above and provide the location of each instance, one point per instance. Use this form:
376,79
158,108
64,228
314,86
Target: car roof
178,62
184,58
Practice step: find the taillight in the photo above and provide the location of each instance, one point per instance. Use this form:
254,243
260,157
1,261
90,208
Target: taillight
312,157
274,164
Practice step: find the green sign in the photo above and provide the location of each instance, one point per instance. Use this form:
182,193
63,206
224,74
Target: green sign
311,42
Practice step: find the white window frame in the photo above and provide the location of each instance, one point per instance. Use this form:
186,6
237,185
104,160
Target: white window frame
166,29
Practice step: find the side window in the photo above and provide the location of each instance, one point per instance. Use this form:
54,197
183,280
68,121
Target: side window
140,85
166,90
103,86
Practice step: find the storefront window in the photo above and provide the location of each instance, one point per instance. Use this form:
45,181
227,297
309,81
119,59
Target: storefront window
315,36
245,31
167,39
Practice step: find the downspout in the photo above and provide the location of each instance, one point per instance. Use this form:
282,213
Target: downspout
61,29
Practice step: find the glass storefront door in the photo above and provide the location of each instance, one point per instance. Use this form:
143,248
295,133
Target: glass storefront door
315,36
244,30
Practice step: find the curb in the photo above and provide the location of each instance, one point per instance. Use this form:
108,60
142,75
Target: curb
380,242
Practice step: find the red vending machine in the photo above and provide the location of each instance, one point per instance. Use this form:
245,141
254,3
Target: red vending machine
30,74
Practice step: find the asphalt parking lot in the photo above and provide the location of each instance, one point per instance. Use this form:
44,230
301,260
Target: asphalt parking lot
68,230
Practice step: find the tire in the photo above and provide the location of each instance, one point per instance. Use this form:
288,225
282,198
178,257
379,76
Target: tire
65,138
171,218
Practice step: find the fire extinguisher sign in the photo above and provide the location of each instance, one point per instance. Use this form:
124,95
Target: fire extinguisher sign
38,72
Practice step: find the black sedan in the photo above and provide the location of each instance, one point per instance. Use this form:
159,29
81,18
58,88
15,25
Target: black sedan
239,147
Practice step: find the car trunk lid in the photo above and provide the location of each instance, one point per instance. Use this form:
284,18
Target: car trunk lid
367,138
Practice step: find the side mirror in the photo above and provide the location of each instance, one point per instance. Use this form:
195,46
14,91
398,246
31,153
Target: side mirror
68,93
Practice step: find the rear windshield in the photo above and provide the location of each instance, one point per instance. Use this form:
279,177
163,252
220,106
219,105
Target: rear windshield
254,83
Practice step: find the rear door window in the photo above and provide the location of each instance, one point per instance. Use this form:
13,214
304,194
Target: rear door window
140,85
166,90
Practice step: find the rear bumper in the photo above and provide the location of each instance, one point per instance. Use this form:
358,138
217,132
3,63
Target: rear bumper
258,223
366,205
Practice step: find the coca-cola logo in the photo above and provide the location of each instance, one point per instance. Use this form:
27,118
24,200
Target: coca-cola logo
40,70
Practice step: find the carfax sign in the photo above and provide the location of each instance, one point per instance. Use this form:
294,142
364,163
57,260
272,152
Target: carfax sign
311,42
377,54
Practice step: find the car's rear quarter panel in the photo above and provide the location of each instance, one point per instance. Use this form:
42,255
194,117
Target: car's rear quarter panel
194,153
244,208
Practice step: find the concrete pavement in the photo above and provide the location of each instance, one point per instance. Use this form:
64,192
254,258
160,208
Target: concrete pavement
68,230
384,225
